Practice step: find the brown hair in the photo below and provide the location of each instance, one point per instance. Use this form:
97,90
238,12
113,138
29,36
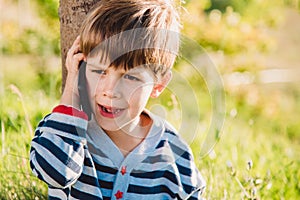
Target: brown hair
133,32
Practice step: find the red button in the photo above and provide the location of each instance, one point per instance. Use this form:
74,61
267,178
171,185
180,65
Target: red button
123,170
119,194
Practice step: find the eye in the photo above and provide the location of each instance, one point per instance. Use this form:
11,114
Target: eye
99,71
132,78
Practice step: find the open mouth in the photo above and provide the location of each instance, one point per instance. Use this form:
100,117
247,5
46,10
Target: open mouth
110,112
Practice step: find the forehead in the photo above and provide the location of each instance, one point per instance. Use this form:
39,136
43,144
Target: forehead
98,63
126,62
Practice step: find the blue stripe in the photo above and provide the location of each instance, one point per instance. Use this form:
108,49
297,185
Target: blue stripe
151,190
37,133
75,144
106,184
170,132
180,152
83,195
66,191
58,153
53,198
52,172
187,188
89,180
65,127
88,162
161,144
192,198
184,170
105,169
38,173
155,174
158,158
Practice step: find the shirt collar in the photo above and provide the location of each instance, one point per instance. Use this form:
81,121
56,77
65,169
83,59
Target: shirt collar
103,144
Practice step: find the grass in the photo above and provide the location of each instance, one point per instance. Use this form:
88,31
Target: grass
22,106
257,154
256,157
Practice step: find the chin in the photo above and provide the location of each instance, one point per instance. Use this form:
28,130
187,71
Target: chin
121,123
110,124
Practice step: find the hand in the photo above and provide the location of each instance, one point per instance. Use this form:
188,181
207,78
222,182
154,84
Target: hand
74,56
70,94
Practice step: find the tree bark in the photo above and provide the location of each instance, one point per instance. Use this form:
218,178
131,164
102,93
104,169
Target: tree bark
71,15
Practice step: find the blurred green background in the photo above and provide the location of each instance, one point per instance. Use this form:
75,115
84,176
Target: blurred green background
255,46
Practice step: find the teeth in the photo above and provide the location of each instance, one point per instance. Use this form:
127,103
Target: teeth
117,111
114,111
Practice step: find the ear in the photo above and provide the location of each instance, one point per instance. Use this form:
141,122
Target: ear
161,85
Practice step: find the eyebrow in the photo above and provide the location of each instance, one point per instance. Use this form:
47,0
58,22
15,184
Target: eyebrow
138,69
134,71
99,66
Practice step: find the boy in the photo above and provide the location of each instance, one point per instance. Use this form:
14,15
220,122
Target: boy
118,149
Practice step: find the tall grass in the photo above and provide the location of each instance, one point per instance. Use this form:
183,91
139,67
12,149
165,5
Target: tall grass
257,156
258,153
22,106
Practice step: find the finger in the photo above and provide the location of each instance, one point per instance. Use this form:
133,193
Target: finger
74,49
78,57
76,60
72,62
76,42
75,46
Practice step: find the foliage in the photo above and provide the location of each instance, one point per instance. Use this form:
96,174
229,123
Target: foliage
232,26
257,156
25,31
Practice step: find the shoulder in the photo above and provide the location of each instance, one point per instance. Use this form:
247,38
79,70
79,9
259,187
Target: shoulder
184,165
171,139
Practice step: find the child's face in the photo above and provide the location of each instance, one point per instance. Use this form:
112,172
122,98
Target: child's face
117,96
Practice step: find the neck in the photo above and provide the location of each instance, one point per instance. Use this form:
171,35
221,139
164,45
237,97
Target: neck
128,138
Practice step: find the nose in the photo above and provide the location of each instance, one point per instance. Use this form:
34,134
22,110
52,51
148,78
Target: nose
111,94
110,87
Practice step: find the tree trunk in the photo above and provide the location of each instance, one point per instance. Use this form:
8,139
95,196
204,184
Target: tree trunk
71,15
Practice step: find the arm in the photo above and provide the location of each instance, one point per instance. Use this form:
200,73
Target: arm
192,184
191,179
57,149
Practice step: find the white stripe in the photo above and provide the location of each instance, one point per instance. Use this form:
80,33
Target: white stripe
63,134
72,198
53,192
158,196
56,164
44,175
69,119
106,192
103,161
89,189
145,182
58,141
90,171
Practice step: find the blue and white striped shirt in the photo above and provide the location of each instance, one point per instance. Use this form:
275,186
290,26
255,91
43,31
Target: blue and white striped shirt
79,161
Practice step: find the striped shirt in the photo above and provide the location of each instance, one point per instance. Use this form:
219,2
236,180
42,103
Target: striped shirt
78,160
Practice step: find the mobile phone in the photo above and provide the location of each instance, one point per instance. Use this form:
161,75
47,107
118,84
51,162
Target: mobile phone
82,89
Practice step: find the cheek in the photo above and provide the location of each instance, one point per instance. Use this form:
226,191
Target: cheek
139,95
92,86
